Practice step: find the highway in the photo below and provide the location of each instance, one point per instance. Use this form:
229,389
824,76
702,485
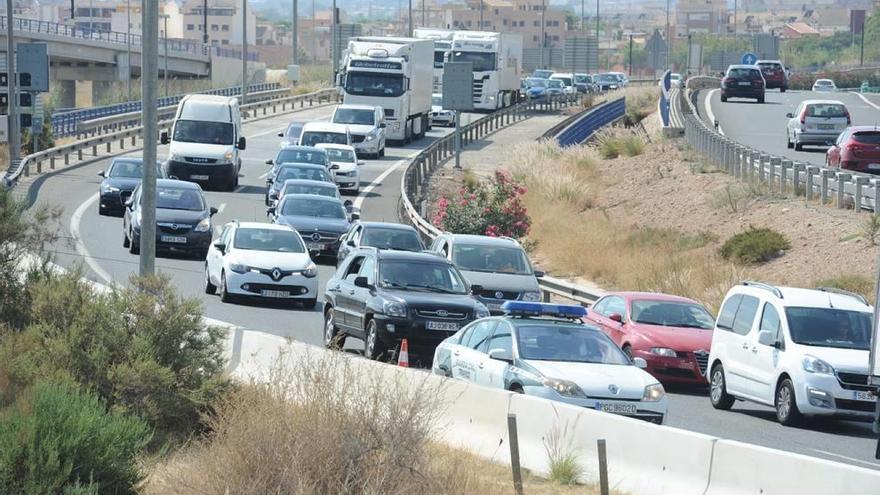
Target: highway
95,242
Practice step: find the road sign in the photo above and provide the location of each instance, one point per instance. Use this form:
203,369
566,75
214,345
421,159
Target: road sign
749,58
458,86
32,65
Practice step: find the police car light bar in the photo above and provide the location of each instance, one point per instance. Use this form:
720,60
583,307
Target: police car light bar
519,308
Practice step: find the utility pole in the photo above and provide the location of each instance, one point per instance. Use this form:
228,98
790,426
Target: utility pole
244,79
862,49
409,19
333,28
205,21
165,55
481,15
14,135
630,55
293,39
668,37
543,37
734,25
149,83
423,14
128,42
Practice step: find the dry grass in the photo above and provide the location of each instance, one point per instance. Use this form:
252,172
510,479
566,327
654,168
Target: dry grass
571,181
4,157
325,426
613,142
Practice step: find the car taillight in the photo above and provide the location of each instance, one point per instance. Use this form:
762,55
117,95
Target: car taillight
804,116
848,118
728,81
758,82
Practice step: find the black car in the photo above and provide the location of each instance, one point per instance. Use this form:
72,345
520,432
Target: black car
320,220
743,81
118,182
381,235
183,219
384,296
294,171
298,154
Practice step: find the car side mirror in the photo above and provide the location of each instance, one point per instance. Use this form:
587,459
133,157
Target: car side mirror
501,355
129,203
163,137
270,210
280,134
768,338
270,161
214,211
539,273
362,282
383,125
242,143
616,317
640,363
334,167
102,174
348,203
789,115
355,216
220,246
476,289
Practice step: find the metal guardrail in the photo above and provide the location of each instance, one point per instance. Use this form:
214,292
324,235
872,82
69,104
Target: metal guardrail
78,149
583,128
414,181
65,123
846,189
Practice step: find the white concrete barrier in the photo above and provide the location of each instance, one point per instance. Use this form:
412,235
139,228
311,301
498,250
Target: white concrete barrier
741,468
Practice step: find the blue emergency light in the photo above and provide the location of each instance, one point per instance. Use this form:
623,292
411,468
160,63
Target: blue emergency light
520,308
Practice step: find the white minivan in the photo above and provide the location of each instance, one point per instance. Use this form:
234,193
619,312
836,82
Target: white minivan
206,141
803,352
324,132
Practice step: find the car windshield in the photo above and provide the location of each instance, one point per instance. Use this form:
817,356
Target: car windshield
830,327
744,73
374,84
423,276
581,79
765,66
824,82
491,259
830,110
672,314
308,173
867,137
576,344
311,138
197,131
356,116
607,78
178,198
315,156
328,190
339,155
481,61
127,169
565,80
310,207
294,130
554,83
403,240
536,83
542,74
437,101
282,241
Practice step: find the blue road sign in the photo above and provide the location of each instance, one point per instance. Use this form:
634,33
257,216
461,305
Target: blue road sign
749,58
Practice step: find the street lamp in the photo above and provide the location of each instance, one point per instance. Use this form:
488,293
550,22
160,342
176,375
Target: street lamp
128,42
165,51
631,35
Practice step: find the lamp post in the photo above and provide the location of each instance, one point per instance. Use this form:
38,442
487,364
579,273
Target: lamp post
13,136
668,38
128,43
293,35
244,80
543,36
631,35
481,15
165,52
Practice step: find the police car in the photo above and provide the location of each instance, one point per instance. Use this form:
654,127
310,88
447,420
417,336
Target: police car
546,350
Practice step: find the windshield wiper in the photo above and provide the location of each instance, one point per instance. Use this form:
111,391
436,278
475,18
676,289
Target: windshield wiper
432,289
394,285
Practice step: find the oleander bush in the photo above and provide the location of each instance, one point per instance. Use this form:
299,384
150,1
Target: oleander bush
755,245
491,207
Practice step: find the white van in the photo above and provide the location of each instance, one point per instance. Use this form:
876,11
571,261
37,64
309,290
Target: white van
323,132
206,141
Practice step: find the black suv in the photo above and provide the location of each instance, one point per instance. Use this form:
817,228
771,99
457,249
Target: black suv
383,297
743,81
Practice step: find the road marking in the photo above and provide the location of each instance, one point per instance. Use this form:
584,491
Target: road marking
372,185
80,246
851,459
869,102
221,208
709,112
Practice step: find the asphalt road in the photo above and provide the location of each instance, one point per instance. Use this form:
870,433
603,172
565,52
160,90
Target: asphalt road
95,243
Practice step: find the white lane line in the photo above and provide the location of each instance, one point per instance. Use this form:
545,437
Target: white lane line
709,112
869,102
75,220
221,208
265,175
372,185
851,459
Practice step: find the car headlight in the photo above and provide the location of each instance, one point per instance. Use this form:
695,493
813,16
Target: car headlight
228,156
395,309
311,271
370,137
481,311
531,296
564,387
813,364
239,268
109,189
204,225
175,156
653,393
663,351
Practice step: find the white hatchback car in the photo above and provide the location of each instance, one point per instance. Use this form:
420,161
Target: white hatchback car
344,165
261,260
801,351
824,85
817,122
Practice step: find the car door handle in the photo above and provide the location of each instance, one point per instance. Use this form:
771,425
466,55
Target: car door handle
481,365
745,346
351,292
456,353
754,349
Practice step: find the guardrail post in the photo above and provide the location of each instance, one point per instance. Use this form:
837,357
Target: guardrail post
823,191
79,154
108,146
783,175
39,167
796,176
771,176
811,173
858,181
875,183
134,140
754,163
842,179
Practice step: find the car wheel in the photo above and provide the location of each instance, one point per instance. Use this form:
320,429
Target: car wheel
373,348
517,389
788,143
102,211
718,390
782,89
628,351
125,241
309,303
333,338
787,411
382,152
723,99
798,146
209,287
134,245
761,99
225,296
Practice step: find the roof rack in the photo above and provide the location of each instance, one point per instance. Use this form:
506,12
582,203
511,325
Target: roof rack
835,290
761,285
508,238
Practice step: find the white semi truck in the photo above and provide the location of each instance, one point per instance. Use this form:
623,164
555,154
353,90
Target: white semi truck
442,45
395,74
497,62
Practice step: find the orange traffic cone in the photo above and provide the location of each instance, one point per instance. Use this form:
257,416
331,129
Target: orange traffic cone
403,355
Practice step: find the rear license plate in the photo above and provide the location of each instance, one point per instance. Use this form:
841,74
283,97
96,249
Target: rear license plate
874,166
173,239
315,246
825,126
865,396
441,325
199,177
275,293
616,408
744,83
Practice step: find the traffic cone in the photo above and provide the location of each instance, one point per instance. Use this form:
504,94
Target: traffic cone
403,355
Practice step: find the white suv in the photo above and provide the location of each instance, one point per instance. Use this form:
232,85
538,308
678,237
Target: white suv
802,351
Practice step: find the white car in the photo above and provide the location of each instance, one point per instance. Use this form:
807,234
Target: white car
344,165
440,116
824,85
676,81
801,351
817,122
545,350
568,87
261,260
366,125
290,136
315,133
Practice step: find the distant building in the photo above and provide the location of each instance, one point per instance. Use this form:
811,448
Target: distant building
224,22
795,30
827,20
700,17
516,16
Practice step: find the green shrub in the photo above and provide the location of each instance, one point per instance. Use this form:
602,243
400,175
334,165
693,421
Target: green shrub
492,208
755,245
61,439
859,284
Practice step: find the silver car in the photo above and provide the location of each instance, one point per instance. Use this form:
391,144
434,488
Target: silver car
817,122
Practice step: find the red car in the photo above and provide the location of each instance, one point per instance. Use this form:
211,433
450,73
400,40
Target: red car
774,74
857,148
673,334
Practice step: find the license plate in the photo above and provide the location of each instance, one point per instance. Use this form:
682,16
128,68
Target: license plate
616,408
494,307
275,293
199,177
744,83
441,325
315,246
173,239
874,166
865,396
826,126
